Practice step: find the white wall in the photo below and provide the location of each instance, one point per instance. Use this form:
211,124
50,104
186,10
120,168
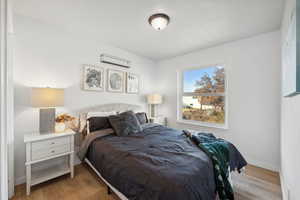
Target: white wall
45,55
253,72
290,128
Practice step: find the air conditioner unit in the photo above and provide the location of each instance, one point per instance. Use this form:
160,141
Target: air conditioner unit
114,60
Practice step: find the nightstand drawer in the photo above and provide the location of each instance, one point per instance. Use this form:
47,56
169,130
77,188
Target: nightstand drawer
50,143
48,152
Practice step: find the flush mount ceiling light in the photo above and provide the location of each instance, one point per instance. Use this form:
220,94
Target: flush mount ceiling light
159,21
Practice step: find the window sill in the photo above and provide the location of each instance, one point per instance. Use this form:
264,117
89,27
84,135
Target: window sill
209,125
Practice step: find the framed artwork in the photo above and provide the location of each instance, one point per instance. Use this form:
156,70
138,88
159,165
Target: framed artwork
93,78
290,70
132,81
115,81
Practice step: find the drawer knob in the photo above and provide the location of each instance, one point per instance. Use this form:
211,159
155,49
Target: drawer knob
52,151
52,142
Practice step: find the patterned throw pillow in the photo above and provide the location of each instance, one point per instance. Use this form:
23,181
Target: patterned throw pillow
125,124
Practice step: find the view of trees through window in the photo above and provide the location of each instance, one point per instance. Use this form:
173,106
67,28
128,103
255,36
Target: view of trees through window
204,95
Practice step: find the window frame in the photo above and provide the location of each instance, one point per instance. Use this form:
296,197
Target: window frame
181,94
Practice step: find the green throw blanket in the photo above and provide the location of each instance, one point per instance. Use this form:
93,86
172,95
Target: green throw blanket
218,151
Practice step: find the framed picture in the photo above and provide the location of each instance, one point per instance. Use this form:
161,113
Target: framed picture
93,78
132,81
115,80
291,70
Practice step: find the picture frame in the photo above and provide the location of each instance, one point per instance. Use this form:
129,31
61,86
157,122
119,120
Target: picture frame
132,83
115,81
93,78
290,71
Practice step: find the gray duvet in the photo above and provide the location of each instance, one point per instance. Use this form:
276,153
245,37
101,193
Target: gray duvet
158,163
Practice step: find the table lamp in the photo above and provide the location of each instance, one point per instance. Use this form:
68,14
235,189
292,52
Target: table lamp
153,100
47,99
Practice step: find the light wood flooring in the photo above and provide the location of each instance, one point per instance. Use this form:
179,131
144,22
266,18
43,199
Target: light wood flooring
254,184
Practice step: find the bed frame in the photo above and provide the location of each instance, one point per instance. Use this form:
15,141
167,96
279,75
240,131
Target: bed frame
109,186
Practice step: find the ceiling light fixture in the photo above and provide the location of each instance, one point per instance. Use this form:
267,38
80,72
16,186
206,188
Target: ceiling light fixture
159,21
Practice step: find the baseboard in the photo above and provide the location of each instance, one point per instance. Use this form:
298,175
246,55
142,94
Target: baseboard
284,188
22,179
262,164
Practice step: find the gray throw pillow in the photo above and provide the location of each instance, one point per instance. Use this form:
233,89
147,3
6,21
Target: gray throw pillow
98,123
142,117
125,124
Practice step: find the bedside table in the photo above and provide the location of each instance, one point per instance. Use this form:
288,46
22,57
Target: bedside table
158,120
43,147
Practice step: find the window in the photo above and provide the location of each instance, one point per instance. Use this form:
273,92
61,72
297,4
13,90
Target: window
202,97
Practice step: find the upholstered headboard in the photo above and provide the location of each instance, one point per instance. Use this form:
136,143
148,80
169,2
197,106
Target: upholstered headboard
119,107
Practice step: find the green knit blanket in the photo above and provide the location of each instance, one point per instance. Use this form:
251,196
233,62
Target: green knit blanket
218,151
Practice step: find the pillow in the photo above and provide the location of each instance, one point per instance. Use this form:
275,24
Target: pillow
98,123
142,117
125,124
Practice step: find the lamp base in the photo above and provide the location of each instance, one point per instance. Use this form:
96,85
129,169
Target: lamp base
152,110
47,120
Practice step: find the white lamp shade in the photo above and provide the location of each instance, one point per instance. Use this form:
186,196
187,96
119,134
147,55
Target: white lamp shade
154,99
47,97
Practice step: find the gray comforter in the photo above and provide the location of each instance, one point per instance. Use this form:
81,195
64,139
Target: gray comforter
159,163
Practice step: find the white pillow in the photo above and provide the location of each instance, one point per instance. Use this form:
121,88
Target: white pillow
100,114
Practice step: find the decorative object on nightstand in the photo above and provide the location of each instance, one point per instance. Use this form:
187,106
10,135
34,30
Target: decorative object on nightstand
43,147
47,99
61,121
153,100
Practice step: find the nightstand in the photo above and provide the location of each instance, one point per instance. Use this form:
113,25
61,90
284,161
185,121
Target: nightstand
158,120
43,147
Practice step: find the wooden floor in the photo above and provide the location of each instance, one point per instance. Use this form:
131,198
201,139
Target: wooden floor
264,174
255,184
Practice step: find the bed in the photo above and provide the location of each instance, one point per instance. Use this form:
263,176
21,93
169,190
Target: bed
158,163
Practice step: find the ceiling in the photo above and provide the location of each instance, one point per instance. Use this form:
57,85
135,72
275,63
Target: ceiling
195,24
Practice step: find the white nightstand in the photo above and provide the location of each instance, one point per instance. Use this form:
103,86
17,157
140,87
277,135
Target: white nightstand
42,147
158,120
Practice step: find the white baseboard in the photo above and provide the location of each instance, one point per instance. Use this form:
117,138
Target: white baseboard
20,180
262,164
284,189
